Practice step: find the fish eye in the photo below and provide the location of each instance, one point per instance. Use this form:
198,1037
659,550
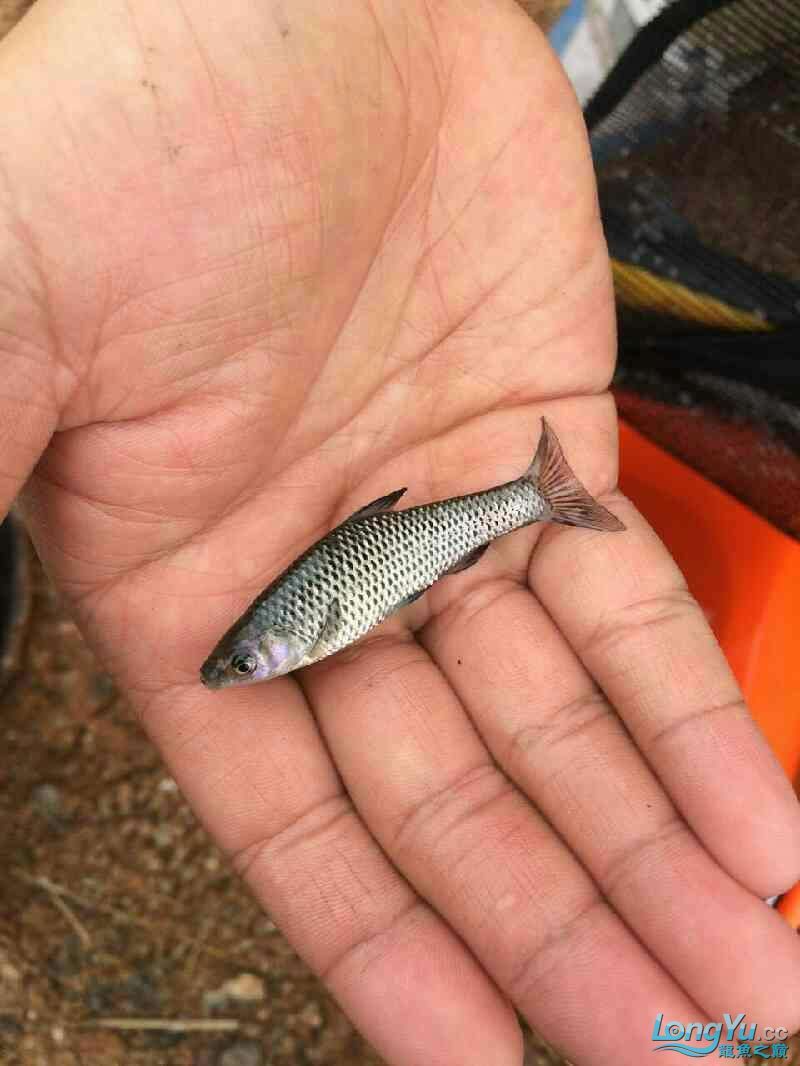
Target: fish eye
243,664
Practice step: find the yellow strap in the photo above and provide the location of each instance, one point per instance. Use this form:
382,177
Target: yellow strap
637,287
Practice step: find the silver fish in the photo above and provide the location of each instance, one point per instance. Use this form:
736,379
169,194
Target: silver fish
379,560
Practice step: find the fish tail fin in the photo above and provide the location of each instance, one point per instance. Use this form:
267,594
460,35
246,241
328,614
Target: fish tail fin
566,498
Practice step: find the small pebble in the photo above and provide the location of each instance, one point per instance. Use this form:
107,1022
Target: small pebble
103,686
47,801
246,987
163,835
214,1001
242,1053
9,974
312,1015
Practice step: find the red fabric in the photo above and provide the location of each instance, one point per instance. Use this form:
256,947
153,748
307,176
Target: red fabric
739,456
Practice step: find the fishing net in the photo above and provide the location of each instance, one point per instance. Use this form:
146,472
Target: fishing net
696,140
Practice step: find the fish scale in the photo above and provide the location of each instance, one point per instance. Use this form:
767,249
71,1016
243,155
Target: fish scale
380,559
371,565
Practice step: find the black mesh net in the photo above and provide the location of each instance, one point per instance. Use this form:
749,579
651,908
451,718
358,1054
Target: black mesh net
696,141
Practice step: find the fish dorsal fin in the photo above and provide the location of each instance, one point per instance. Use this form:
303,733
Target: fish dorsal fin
383,503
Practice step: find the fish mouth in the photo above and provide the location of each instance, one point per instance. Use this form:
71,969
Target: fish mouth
212,674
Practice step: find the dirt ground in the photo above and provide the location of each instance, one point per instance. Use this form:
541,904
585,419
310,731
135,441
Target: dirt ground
116,907
116,904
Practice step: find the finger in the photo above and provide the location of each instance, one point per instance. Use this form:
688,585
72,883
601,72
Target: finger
253,767
475,848
623,605
553,732
29,405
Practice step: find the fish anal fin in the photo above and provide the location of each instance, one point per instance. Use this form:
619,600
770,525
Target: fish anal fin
467,560
383,503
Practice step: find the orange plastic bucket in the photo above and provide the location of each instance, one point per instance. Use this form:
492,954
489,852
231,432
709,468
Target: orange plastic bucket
746,575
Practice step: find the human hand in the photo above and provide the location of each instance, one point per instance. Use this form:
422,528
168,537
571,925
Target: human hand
261,265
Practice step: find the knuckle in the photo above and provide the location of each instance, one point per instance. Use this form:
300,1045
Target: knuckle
653,613
649,851
372,944
322,819
440,813
665,734
542,959
564,725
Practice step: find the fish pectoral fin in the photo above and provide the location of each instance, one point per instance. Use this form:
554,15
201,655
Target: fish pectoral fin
383,503
328,630
468,560
409,599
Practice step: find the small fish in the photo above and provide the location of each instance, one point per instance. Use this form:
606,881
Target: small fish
379,560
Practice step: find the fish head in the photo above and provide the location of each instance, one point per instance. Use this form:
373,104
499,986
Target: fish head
246,660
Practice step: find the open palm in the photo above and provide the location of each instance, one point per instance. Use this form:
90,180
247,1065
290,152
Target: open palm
261,265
